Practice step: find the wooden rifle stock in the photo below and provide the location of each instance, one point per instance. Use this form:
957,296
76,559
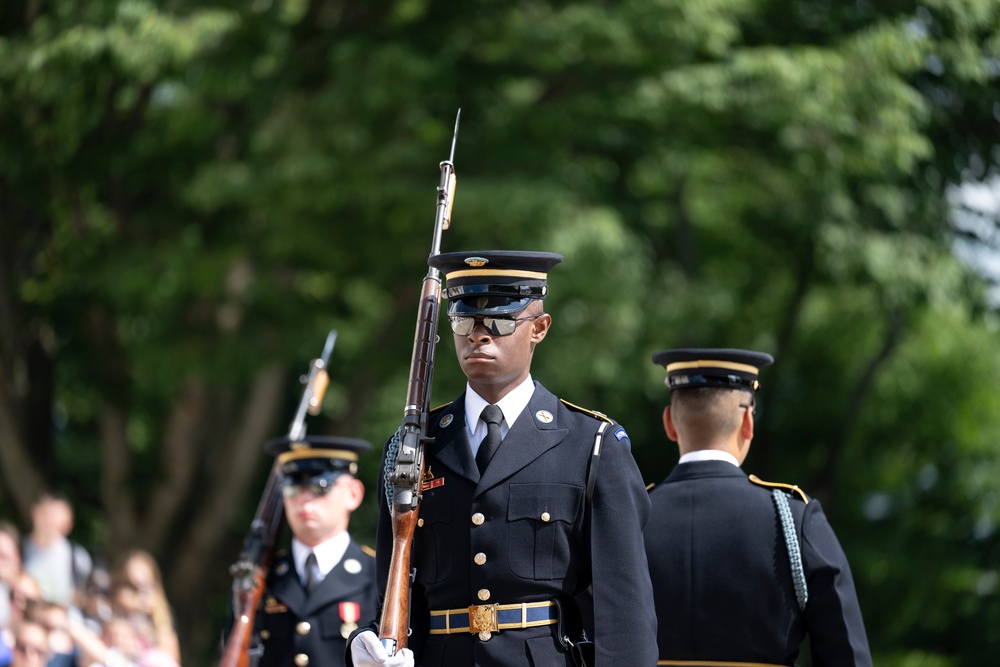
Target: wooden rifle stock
408,465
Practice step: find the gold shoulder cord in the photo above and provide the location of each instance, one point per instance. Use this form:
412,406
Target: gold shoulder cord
778,485
592,413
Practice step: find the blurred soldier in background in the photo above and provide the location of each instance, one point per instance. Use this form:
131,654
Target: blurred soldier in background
317,593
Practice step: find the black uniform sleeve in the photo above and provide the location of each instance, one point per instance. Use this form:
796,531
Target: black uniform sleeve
624,619
833,614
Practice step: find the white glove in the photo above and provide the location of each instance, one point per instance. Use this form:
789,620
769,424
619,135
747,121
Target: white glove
367,651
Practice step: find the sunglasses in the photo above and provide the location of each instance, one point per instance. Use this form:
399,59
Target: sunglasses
495,325
320,485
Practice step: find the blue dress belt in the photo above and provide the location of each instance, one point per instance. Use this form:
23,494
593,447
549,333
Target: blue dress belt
493,617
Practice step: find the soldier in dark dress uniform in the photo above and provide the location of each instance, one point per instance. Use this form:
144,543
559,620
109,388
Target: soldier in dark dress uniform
742,569
508,522
320,590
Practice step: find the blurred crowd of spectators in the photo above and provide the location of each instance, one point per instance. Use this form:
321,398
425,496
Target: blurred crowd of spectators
60,608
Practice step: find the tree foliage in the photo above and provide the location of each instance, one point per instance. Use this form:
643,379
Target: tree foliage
193,193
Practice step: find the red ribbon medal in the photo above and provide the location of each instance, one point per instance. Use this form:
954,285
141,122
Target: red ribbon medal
350,612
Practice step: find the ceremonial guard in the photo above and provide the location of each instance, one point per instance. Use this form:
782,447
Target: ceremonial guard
742,569
317,592
529,504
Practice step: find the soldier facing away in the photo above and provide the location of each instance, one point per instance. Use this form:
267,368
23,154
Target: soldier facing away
742,569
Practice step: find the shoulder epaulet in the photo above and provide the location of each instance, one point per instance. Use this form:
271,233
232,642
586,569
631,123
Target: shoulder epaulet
592,413
791,487
441,407
368,550
649,487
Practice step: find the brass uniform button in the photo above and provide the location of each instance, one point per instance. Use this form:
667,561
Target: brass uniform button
545,516
483,594
478,519
265,634
485,635
303,628
420,523
480,558
301,660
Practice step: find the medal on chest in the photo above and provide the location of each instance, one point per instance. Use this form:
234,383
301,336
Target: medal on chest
350,612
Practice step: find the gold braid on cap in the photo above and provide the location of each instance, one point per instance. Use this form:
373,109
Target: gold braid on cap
298,454
511,273
705,363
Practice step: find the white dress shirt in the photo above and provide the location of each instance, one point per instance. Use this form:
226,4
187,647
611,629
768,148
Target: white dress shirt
328,554
511,405
709,455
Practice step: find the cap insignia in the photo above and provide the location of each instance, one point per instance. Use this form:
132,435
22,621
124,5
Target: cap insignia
476,261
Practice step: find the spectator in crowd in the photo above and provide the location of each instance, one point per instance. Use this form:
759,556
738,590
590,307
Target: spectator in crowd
55,619
59,566
10,567
24,592
31,645
137,589
95,600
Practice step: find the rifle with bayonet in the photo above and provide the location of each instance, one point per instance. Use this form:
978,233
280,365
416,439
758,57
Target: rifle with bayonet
405,462
250,570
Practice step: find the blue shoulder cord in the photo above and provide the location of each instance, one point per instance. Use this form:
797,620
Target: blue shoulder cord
792,542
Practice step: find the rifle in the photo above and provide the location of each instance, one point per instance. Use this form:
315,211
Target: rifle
405,460
250,570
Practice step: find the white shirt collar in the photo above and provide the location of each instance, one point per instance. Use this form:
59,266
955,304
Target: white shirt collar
709,455
328,553
512,405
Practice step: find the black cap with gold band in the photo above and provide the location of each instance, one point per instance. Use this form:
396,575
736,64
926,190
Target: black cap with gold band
712,367
494,282
317,454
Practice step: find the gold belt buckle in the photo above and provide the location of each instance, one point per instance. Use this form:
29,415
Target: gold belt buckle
483,620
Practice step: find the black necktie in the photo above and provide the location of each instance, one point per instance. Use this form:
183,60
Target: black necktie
312,572
492,415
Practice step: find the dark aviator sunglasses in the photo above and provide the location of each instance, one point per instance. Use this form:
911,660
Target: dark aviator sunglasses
495,325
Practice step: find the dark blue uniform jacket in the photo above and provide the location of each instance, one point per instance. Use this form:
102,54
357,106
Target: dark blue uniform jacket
722,578
540,468
296,628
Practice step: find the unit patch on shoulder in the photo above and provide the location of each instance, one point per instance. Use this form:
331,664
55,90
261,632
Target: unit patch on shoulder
794,489
620,434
